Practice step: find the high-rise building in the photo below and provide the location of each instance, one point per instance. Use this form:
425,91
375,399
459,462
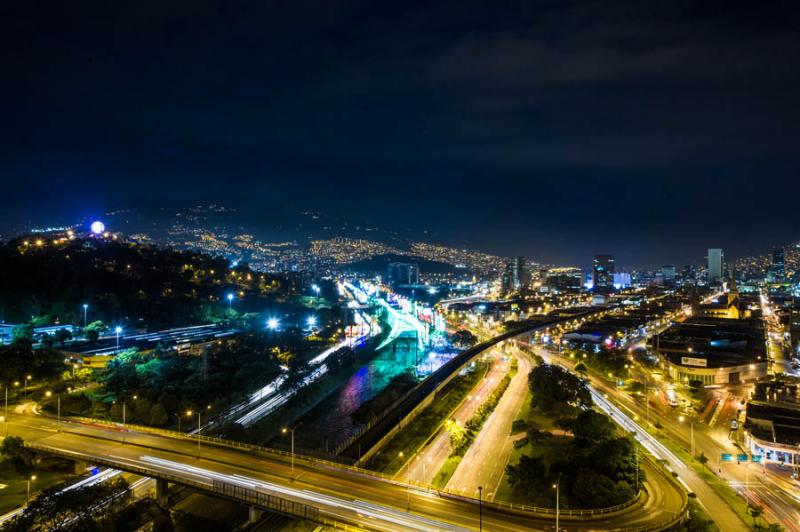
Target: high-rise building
563,279
603,273
519,273
400,273
622,280
777,271
669,272
716,265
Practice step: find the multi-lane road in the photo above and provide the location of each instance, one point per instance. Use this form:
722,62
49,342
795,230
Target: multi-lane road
484,462
343,495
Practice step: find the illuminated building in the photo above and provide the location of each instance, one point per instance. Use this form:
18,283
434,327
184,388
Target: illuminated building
563,279
519,273
603,273
400,273
713,350
777,270
716,261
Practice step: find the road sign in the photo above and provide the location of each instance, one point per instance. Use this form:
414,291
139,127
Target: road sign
726,457
741,458
755,458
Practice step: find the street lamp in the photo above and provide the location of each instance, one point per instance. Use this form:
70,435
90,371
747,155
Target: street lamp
27,378
691,431
230,300
28,498
272,324
85,310
480,508
557,487
118,330
291,430
311,321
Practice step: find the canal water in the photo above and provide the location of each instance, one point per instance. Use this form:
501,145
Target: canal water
330,422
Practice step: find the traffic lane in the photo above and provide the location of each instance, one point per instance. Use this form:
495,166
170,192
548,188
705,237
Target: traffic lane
424,466
484,462
332,482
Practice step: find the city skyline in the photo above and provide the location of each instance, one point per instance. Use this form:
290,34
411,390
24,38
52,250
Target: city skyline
552,131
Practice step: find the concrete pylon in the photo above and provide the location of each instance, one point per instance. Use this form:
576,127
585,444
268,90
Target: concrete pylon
162,492
253,515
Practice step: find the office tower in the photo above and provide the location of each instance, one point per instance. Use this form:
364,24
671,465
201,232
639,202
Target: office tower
777,271
603,273
669,272
400,273
519,274
716,265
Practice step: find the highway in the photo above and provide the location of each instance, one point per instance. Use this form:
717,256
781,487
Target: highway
714,505
422,468
485,461
353,496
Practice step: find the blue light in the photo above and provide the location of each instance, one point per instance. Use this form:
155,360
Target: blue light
272,324
230,297
311,321
118,329
98,227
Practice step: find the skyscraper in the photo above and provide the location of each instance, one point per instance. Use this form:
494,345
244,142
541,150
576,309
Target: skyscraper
402,273
777,271
603,273
669,272
716,265
519,273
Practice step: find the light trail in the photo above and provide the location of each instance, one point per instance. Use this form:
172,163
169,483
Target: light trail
332,505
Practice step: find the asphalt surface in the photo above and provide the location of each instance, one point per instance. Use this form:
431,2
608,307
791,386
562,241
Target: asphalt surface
342,495
485,461
422,468
719,510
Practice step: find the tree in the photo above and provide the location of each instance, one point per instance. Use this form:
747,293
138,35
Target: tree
13,448
593,427
527,477
755,512
636,387
703,459
158,415
72,510
63,335
554,387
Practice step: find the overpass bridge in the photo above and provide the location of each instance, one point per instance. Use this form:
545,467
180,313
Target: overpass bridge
322,491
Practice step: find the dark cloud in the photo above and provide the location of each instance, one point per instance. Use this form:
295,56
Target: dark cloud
557,129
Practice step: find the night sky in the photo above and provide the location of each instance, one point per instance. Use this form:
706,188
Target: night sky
651,130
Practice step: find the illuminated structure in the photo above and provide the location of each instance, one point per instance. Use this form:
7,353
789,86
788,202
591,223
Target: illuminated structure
98,227
713,351
603,273
716,265
400,273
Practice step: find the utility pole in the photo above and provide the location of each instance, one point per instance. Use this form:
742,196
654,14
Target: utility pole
480,508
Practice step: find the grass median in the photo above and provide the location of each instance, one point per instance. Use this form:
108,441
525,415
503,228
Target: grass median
391,458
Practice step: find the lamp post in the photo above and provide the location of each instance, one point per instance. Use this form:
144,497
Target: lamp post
691,432
124,407
230,301
28,497
480,508
85,314
5,413
117,330
285,430
557,487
